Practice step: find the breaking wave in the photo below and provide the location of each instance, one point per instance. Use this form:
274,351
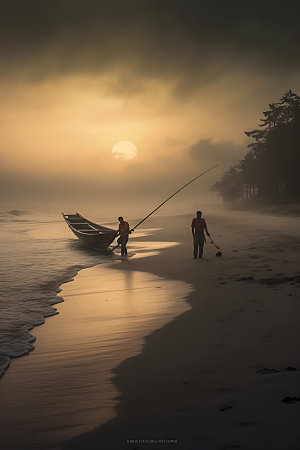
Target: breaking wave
31,271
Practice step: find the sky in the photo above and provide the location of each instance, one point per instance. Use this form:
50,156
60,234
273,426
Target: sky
181,80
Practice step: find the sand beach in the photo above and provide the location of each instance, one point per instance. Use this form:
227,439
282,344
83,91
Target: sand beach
163,351
224,374
62,388
145,112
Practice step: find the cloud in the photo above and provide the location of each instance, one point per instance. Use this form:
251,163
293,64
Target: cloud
224,153
192,42
162,73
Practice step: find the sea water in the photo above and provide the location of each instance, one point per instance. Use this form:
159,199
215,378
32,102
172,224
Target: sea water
63,388
37,254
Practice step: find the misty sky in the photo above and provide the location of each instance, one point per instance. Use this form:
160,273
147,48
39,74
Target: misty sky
182,80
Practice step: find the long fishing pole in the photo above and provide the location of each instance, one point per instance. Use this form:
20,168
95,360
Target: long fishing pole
150,214
194,179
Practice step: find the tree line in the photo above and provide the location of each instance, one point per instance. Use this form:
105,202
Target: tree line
269,172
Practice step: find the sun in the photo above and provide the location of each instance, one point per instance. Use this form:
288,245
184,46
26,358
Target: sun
124,150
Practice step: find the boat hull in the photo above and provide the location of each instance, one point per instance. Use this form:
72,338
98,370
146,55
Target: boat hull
89,233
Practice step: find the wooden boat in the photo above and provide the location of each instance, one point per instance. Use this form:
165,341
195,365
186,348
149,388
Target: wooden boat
89,233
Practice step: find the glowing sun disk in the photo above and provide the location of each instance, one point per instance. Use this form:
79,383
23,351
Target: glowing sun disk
124,150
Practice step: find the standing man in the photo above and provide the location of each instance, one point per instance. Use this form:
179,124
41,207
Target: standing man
198,228
124,231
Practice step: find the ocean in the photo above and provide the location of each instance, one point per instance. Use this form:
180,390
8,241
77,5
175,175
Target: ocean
38,254
63,388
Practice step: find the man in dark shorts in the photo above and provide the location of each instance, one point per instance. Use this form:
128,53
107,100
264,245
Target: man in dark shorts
124,231
198,228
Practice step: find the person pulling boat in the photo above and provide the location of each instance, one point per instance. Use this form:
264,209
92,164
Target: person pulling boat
99,237
123,232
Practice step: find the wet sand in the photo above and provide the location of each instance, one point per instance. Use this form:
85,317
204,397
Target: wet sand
225,374
63,389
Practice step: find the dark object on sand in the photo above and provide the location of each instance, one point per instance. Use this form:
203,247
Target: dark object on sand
225,408
89,233
290,399
267,371
217,247
245,279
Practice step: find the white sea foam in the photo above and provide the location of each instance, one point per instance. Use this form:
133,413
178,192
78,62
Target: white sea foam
31,270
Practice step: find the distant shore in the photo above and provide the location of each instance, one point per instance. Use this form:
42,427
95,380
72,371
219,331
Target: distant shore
231,363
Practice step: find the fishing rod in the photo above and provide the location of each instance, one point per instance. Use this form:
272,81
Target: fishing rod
165,201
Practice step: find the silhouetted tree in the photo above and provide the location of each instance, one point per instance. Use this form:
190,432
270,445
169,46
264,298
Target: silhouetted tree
269,171
230,184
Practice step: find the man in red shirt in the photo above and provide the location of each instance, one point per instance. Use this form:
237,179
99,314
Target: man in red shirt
198,228
124,231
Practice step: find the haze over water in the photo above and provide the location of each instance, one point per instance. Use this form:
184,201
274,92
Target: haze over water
182,83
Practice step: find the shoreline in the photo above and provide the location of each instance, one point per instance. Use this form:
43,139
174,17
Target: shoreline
227,363
59,385
57,299
170,400
39,258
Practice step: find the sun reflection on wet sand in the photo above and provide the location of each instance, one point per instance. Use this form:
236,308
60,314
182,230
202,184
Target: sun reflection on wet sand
106,315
